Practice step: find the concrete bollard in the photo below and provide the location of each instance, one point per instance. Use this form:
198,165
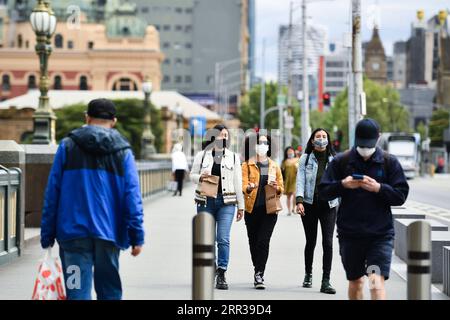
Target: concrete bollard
203,257
419,261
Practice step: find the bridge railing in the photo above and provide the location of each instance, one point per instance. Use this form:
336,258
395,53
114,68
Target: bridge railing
10,213
153,176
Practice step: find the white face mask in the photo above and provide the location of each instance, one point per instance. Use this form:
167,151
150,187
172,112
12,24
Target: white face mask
261,149
365,152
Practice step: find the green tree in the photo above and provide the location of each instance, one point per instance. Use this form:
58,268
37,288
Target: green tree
438,123
383,105
130,115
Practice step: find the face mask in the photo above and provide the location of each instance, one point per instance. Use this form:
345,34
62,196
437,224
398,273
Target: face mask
320,143
365,152
261,149
291,156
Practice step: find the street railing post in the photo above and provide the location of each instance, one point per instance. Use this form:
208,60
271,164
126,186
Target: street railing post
419,261
203,257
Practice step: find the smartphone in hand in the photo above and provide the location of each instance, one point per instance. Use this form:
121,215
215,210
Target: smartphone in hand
356,176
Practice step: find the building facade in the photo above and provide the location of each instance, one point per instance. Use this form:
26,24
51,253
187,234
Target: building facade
375,62
208,46
399,65
88,56
317,46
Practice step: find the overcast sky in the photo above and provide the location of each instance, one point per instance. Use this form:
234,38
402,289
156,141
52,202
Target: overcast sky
394,16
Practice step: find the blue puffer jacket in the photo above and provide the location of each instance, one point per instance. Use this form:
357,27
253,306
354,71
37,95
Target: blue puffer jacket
93,190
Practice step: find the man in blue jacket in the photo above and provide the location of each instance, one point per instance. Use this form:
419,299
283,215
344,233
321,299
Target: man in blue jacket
368,181
93,205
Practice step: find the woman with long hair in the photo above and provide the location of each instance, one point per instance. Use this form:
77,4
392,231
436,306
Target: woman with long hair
217,161
313,209
258,172
289,168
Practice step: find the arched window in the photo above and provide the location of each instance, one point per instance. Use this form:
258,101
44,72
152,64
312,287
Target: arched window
32,82
125,84
83,83
57,85
59,40
6,83
19,41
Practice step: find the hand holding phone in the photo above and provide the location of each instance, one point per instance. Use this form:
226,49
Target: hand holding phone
357,176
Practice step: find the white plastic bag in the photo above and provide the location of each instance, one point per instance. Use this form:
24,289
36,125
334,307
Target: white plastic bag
49,284
172,186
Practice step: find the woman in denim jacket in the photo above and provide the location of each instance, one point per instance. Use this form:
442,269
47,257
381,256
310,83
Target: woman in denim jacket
313,209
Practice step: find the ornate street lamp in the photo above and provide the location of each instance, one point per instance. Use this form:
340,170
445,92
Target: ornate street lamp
148,148
43,22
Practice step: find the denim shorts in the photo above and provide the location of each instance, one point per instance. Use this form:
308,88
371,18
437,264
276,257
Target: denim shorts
361,257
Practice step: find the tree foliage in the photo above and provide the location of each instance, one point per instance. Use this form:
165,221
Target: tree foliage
438,123
130,115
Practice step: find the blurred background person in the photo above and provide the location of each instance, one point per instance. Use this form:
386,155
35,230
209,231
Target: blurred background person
179,167
289,168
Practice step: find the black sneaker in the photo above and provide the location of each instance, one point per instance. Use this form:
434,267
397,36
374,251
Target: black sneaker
259,281
307,282
221,282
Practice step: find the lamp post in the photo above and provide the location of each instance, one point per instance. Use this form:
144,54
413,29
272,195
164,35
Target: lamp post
43,22
179,112
148,149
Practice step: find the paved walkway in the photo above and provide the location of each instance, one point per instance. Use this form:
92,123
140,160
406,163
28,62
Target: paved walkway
163,271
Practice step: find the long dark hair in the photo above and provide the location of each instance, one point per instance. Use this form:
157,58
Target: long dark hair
286,152
211,136
310,147
252,140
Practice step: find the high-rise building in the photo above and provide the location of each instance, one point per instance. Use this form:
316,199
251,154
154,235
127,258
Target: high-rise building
336,71
316,45
205,41
399,65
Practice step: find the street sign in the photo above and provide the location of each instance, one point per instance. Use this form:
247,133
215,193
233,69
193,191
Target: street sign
281,100
363,103
197,125
300,95
289,122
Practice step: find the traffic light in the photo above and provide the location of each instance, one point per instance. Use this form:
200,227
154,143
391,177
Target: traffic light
326,99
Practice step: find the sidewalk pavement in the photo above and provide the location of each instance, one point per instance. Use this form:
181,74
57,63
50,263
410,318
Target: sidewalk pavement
163,270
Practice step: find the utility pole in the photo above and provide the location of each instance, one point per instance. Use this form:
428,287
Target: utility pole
262,104
289,97
305,107
358,94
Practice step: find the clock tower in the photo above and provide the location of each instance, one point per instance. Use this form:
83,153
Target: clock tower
375,66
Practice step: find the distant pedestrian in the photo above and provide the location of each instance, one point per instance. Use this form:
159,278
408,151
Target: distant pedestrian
179,167
369,181
220,169
440,165
313,209
258,172
289,167
93,204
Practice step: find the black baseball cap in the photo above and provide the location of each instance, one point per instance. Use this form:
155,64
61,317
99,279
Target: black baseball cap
102,109
367,133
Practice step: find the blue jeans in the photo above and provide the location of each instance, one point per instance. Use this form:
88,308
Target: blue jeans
223,214
87,259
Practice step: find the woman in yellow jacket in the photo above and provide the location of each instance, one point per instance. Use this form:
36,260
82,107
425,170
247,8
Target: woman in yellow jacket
259,170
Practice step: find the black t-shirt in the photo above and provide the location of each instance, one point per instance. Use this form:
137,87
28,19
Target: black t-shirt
263,179
216,171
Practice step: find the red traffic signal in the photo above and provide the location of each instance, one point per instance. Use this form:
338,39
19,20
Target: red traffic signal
326,98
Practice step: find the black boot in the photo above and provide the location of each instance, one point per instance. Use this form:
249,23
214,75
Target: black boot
221,282
307,282
326,286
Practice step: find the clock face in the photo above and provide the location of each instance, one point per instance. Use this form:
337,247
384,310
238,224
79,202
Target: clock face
375,66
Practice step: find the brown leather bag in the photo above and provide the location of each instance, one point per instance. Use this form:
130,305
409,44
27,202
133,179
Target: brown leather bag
209,186
273,202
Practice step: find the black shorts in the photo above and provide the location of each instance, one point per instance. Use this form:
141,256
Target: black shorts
363,256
